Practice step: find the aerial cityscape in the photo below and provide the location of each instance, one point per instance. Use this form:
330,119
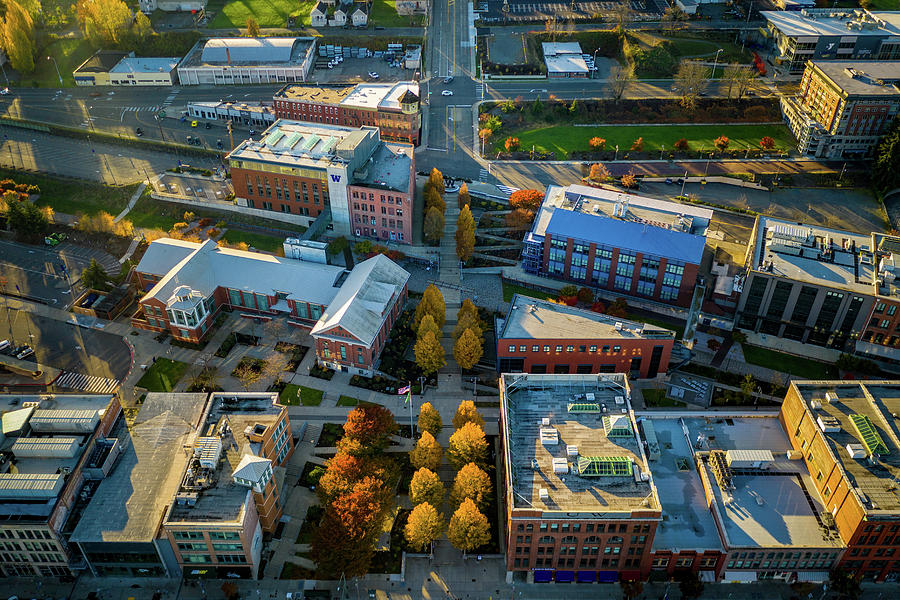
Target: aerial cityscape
450,300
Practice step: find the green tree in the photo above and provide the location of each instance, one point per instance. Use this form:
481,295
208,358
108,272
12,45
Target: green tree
252,27
434,224
468,349
103,21
426,486
429,354
748,386
432,303
17,37
436,179
466,412
886,170
465,234
468,444
463,198
427,453
141,29
94,277
427,324
425,524
469,528
471,482
337,245
430,419
27,220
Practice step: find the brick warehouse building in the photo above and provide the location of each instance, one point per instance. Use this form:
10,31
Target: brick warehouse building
618,242
186,284
580,505
544,337
394,108
304,169
847,433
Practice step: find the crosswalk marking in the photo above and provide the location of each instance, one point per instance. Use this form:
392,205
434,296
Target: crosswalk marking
86,383
154,108
507,190
483,175
479,90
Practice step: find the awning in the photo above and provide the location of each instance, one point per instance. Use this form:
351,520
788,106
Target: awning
607,576
630,575
587,576
543,576
565,576
814,576
707,576
739,577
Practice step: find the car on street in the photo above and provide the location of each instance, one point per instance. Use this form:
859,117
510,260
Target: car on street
54,239
219,144
373,74
139,132
448,79
24,353
193,123
446,93
252,132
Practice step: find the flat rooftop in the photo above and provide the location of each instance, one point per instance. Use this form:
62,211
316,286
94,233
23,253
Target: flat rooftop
608,473
208,493
862,410
145,65
248,52
531,318
129,503
862,78
773,506
384,96
834,22
617,219
817,255
390,168
313,93
686,523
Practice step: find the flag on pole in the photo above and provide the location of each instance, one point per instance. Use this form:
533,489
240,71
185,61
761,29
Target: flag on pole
404,390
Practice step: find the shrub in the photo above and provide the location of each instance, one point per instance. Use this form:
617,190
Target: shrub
597,143
721,142
638,145
511,144
767,143
682,145
180,225
629,180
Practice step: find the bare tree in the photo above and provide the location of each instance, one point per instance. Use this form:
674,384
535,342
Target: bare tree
672,16
276,364
623,15
690,80
619,78
739,77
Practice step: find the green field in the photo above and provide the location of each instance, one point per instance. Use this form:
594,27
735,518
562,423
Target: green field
259,241
654,397
68,52
563,139
788,363
384,14
162,375
509,289
72,196
347,401
268,13
294,395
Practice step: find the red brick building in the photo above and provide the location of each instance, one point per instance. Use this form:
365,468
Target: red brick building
846,432
543,337
392,107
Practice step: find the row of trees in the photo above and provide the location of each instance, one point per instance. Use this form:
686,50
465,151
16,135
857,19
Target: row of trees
435,206
357,493
471,491
427,323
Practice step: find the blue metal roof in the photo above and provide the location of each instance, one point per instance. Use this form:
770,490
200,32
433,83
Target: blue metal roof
629,235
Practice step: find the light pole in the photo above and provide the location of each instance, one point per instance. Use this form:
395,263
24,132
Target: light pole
683,181
716,63
57,70
662,151
707,164
4,74
616,157
595,63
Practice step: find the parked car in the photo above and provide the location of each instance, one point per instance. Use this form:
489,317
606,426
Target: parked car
4,91
219,144
54,239
448,79
24,353
373,74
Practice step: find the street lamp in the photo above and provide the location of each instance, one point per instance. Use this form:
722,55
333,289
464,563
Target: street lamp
716,63
595,63
662,151
617,153
57,70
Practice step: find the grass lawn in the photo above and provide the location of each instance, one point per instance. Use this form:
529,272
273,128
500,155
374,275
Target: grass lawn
68,52
307,396
384,14
563,139
153,214
678,329
654,397
162,375
347,401
72,196
510,288
268,13
795,365
885,4
260,241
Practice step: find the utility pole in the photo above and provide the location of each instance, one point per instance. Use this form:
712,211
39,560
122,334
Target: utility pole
230,133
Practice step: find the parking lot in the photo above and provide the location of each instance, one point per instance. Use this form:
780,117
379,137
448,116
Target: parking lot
203,188
356,70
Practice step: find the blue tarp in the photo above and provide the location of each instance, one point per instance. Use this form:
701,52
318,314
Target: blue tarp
565,576
587,576
543,576
607,576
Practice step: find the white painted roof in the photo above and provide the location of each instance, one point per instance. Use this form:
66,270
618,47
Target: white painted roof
252,468
145,65
30,485
244,50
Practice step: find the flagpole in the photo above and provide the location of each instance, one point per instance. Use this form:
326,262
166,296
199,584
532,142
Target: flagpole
412,434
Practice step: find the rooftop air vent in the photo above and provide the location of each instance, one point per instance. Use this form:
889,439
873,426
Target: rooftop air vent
543,494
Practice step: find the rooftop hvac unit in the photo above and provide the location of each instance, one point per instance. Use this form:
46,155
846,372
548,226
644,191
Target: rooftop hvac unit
856,450
620,399
534,465
831,397
545,421
571,450
544,494
560,466
815,405
794,455
589,396
828,424
34,403
749,459
549,436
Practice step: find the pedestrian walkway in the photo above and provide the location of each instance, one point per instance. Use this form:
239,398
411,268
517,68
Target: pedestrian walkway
86,383
134,198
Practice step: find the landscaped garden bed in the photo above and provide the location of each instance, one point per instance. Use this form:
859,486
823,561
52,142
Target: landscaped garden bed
255,364
331,433
321,372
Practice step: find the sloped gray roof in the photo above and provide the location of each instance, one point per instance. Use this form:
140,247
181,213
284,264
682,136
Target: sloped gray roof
247,50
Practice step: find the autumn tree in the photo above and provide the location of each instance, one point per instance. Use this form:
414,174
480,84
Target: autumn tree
629,180
526,199
469,528
467,317
103,21
597,144
426,486
343,470
721,142
431,303
427,325
424,525
427,453
468,349
690,79
252,27
248,373
467,412
429,354
467,444
767,143
463,198
430,419
17,37
465,234
638,145
618,308
681,145
436,179
434,199
519,219
474,483
599,172
511,144
370,425
434,224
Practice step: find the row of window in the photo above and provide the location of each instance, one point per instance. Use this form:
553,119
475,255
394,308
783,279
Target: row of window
213,535
569,348
588,527
221,558
568,563
36,557
706,562
25,534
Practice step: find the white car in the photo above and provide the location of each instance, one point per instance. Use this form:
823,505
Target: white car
4,91
373,74
446,93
